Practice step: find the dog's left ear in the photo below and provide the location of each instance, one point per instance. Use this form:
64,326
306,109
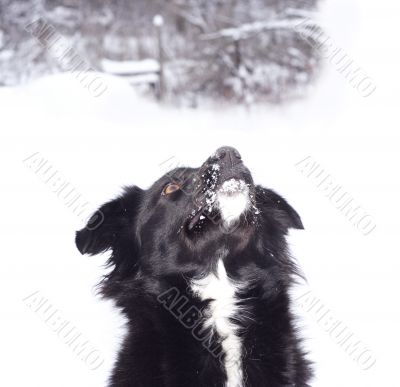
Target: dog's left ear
110,223
282,210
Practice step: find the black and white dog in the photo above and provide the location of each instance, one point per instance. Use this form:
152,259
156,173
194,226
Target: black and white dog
201,269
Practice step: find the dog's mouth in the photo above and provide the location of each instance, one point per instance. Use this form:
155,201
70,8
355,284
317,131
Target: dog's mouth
224,194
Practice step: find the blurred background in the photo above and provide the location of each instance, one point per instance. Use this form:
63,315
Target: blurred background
229,50
96,95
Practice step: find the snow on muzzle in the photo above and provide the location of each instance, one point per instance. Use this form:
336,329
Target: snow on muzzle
225,190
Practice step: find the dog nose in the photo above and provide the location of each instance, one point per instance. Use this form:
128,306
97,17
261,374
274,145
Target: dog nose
228,153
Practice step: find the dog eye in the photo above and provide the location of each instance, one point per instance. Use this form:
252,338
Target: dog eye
170,188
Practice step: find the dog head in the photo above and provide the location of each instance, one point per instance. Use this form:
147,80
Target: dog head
187,217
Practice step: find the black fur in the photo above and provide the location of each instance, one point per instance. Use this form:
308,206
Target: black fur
159,243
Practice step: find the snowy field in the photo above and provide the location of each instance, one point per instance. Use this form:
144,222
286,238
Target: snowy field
97,145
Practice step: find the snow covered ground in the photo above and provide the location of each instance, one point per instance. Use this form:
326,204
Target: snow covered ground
97,145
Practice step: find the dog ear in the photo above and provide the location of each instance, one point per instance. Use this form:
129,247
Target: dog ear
282,210
106,226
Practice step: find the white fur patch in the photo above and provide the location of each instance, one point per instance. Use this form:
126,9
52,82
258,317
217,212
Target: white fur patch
232,200
222,291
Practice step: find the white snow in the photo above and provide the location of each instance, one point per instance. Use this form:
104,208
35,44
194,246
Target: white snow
158,20
100,144
130,67
140,79
232,200
233,186
254,28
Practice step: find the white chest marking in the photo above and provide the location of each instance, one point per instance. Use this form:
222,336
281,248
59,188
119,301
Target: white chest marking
222,291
